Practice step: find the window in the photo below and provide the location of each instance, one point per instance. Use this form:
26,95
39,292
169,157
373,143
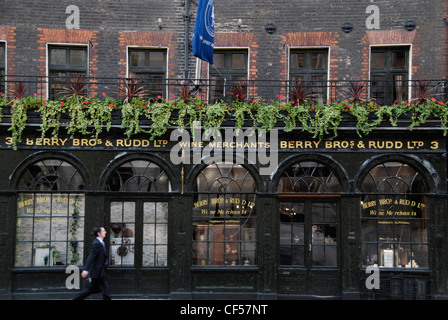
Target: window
389,73
66,65
2,67
149,66
394,217
224,217
309,70
138,221
308,225
229,71
50,215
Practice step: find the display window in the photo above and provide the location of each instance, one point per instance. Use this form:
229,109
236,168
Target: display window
394,217
224,217
50,215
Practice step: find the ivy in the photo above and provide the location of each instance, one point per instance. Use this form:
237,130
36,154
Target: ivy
83,116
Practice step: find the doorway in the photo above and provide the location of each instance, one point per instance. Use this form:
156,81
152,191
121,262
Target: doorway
309,246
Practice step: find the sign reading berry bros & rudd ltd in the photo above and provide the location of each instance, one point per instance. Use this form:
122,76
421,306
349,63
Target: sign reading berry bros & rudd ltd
280,145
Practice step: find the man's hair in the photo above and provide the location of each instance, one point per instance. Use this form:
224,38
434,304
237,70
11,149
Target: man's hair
96,230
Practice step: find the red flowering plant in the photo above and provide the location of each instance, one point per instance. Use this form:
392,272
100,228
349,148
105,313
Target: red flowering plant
91,116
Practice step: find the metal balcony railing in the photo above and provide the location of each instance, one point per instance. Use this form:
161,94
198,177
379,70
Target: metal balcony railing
211,90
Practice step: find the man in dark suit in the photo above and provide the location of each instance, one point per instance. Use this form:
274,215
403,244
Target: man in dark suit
96,268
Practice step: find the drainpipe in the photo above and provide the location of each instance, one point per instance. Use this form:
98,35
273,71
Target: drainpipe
187,36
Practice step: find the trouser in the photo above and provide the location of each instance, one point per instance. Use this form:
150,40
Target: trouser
95,285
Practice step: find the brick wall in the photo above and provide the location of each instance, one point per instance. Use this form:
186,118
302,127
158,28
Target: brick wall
28,26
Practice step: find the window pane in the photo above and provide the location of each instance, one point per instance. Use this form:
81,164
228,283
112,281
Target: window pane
318,61
309,176
238,61
394,224
378,59
224,222
156,59
219,60
2,54
58,57
399,59
137,59
297,60
400,87
155,233
50,229
122,230
78,58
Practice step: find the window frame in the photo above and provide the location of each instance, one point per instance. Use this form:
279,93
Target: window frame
318,93
147,74
223,240
67,69
143,190
3,68
51,204
232,76
308,182
387,73
377,213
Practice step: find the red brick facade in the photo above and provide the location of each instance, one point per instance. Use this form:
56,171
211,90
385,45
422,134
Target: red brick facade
76,37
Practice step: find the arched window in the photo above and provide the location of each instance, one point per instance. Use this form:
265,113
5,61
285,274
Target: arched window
50,215
394,217
308,177
224,216
138,176
308,215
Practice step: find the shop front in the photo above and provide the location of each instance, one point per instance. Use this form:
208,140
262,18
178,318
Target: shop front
329,212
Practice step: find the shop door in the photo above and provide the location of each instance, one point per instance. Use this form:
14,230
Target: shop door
309,251
138,237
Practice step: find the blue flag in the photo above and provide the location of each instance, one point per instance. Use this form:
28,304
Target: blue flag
204,31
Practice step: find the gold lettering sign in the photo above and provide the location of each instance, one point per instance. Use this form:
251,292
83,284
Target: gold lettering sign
351,145
354,145
373,208
242,206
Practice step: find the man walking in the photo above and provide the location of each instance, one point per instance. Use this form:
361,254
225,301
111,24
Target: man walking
96,268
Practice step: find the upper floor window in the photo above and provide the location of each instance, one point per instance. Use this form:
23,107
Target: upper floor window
149,66
389,73
228,73
308,68
66,64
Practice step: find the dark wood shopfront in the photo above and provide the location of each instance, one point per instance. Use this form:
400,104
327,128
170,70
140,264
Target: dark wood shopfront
222,230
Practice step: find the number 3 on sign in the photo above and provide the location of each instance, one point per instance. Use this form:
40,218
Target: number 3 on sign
434,145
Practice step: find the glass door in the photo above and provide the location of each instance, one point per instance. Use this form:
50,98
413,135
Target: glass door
309,234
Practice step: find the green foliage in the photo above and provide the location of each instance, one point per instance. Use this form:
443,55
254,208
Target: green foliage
84,116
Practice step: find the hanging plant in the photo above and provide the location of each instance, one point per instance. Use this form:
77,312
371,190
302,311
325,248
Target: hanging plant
50,113
94,116
73,231
18,121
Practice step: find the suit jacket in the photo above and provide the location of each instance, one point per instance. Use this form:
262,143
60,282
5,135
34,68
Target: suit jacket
96,262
